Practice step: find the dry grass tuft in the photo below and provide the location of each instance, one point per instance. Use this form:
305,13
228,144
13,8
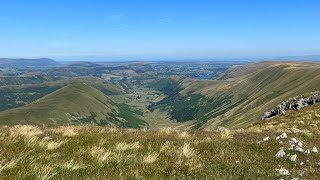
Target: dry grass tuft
100,154
66,131
187,151
225,133
25,131
184,135
167,130
9,165
122,146
45,173
72,165
150,158
50,145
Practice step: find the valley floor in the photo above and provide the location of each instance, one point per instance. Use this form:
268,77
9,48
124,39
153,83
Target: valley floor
139,98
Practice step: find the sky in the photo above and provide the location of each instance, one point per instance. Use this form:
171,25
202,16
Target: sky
158,29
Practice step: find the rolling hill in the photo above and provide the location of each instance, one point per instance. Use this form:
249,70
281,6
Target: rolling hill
72,104
19,91
238,97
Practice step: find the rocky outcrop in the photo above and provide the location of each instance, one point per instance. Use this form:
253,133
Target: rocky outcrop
295,103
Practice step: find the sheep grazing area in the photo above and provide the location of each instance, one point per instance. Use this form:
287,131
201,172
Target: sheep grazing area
89,152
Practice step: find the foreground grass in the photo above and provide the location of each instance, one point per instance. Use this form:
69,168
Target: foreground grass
87,152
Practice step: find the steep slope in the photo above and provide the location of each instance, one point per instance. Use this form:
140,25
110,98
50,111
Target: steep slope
269,84
73,104
241,95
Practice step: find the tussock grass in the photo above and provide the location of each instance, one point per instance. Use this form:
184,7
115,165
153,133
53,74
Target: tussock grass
109,153
100,154
72,165
25,131
122,146
150,158
45,173
7,165
67,131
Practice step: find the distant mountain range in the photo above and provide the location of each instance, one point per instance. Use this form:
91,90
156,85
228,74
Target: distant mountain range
21,62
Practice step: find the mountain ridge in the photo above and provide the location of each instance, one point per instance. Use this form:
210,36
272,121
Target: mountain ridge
21,62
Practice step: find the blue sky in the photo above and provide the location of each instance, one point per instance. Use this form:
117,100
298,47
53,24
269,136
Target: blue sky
159,29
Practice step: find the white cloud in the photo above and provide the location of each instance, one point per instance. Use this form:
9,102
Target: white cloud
164,19
115,17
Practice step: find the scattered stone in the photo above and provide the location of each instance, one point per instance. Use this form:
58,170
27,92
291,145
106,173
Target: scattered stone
266,139
283,172
301,174
293,158
293,141
280,153
300,144
283,136
314,150
302,163
307,151
299,149
237,162
291,147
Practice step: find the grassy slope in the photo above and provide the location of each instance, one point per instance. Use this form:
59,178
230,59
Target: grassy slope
74,152
25,79
268,86
14,96
85,152
243,93
76,103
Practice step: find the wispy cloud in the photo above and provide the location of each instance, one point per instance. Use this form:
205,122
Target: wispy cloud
164,19
115,17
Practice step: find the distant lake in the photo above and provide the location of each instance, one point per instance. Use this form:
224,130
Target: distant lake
204,77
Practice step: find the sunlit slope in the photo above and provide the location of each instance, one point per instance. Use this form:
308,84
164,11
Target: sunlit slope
14,96
73,104
240,96
262,89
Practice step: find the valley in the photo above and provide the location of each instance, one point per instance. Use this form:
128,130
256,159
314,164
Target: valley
155,95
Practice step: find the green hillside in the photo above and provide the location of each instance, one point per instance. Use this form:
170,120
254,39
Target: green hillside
14,96
73,104
25,79
238,97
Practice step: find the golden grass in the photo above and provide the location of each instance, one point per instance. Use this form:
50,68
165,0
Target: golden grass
122,146
150,158
25,131
100,153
